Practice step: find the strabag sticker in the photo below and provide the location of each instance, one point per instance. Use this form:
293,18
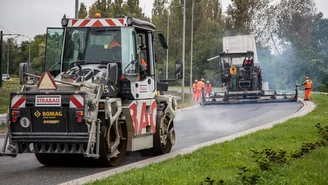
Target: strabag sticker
47,100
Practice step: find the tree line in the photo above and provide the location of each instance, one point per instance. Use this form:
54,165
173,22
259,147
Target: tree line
291,37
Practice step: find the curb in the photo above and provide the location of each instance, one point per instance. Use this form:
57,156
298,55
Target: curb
306,108
188,108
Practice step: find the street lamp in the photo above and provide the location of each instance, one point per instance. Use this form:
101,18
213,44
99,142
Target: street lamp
29,46
183,48
168,38
17,35
29,50
192,42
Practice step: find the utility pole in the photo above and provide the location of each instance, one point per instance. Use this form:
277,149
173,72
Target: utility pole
183,49
17,35
7,57
167,50
76,9
192,42
1,34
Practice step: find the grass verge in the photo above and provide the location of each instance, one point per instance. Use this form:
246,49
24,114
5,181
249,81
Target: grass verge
188,99
7,88
264,157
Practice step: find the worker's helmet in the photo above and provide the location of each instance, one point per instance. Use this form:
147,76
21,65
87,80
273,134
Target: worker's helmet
202,79
208,82
307,77
196,80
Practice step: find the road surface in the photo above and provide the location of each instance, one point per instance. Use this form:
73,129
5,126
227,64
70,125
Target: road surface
193,126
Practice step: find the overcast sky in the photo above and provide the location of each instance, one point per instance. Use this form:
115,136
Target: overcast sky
32,17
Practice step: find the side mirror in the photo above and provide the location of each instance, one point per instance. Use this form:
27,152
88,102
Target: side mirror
160,73
178,70
22,71
112,74
162,40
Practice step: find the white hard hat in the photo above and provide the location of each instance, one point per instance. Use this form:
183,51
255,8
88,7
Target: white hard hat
208,81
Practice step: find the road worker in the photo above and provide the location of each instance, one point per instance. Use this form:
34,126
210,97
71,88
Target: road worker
199,88
194,90
144,71
116,48
116,42
116,51
208,88
308,88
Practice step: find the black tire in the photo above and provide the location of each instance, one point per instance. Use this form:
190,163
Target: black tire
103,160
158,147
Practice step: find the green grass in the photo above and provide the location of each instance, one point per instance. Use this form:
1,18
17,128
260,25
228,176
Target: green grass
221,161
7,87
187,101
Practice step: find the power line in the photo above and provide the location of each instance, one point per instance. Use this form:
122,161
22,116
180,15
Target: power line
6,29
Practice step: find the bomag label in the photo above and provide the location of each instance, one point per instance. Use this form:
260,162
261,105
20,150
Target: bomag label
52,114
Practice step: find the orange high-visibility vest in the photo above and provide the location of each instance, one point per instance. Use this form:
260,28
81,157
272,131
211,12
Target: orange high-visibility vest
308,84
144,63
209,87
194,86
200,85
114,43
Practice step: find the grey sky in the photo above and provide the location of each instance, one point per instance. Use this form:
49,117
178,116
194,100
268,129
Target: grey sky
32,17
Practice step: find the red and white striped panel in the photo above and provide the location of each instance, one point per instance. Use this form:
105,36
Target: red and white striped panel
95,22
76,101
18,101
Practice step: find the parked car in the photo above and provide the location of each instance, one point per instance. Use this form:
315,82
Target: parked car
6,78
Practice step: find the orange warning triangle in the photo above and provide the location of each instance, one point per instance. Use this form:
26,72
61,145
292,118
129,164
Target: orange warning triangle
46,82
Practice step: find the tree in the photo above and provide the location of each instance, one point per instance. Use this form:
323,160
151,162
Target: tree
117,6
38,53
101,6
242,13
83,11
132,7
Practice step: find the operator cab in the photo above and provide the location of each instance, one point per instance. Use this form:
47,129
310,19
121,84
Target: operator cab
87,47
